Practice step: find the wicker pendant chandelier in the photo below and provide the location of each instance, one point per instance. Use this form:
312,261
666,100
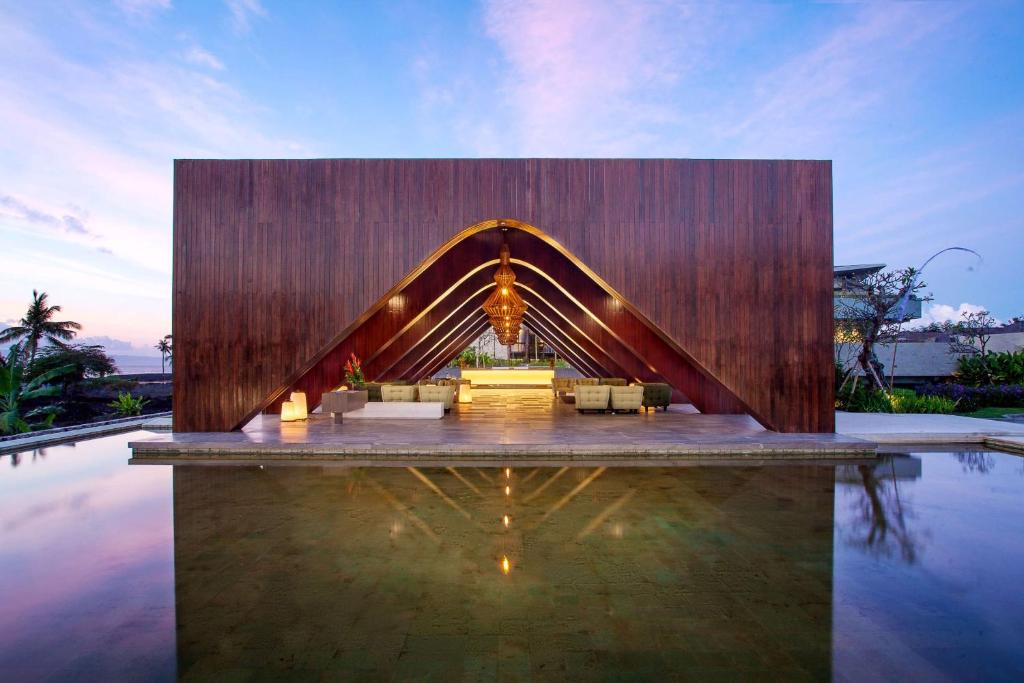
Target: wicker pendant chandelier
504,307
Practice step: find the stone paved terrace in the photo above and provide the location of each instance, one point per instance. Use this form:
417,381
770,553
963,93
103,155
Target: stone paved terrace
505,424
925,428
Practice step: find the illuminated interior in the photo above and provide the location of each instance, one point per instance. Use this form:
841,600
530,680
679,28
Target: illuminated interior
534,285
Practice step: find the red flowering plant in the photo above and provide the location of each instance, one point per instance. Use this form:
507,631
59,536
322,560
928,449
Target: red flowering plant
354,371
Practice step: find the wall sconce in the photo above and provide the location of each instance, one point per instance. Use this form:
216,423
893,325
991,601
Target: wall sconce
298,398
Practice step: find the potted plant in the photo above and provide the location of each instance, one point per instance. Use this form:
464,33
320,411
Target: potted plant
354,372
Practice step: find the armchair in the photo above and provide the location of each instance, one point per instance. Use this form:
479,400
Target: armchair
592,397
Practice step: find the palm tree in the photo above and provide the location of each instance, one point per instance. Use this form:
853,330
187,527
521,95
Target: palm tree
38,325
165,349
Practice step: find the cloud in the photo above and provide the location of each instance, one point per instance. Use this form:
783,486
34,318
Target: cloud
68,223
941,313
242,13
593,76
113,345
103,134
802,102
200,57
142,8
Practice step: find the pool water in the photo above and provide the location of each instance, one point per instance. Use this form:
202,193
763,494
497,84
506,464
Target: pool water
908,567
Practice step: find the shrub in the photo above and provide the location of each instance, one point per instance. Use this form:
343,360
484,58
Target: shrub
968,399
992,368
84,361
908,401
900,401
127,405
868,400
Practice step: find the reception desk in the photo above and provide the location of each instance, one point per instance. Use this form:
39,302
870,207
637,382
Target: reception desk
510,377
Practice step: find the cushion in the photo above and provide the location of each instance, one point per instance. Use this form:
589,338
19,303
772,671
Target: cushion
396,392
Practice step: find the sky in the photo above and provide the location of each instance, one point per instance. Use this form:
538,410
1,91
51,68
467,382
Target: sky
919,105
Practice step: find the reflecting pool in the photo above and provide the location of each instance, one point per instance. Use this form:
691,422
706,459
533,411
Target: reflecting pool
907,567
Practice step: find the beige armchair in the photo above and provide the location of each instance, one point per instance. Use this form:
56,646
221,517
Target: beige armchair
438,394
627,398
592,397
398,392
561,385
453,383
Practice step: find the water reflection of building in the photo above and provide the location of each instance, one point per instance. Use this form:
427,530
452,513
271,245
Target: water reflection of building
399,571
889,466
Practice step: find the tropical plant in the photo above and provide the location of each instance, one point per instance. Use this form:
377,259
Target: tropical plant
16,390
85,361
471,356
38,325
354,371
165,348
127,405
1006,367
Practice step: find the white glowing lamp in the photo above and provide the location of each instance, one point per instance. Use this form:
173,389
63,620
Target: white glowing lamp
288,412
299,399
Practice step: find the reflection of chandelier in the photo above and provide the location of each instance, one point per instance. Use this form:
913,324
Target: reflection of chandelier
504,307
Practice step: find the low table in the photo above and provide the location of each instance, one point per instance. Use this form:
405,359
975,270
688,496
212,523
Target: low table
398,410
337,403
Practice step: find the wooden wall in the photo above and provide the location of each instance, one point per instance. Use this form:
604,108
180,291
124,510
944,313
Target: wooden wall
276,261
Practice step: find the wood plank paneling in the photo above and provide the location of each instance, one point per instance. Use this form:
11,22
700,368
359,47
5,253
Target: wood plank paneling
276,261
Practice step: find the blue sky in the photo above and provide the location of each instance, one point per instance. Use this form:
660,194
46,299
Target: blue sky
919,105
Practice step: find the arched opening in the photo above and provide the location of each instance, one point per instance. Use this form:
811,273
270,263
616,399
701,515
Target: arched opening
428,318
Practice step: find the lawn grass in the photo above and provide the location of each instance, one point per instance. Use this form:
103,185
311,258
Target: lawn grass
992,411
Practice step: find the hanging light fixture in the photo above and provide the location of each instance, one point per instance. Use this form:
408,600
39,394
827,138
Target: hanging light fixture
504,307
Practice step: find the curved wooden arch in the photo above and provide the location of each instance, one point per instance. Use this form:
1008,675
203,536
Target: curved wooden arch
602,337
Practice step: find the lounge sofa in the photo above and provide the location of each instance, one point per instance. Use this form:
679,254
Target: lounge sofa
398,392
586,382
372,390
656,395
561,385
430,393
614,381
627,398
592,397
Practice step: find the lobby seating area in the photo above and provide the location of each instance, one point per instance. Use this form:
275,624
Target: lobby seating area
585,394
601,394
